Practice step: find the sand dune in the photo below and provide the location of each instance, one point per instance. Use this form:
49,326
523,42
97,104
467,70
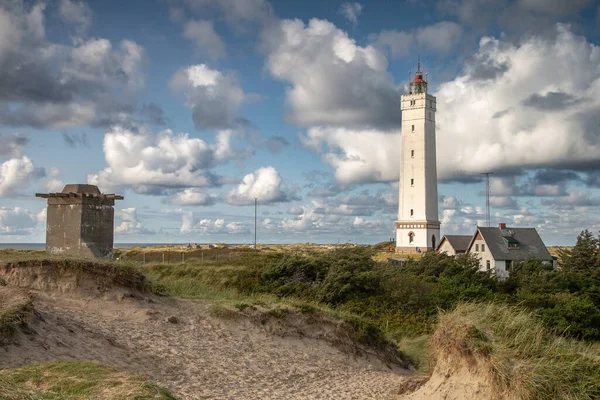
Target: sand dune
197,355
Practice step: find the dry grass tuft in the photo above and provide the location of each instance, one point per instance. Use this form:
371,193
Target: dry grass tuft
525,360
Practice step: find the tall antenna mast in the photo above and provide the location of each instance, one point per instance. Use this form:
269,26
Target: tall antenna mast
255,206
487,198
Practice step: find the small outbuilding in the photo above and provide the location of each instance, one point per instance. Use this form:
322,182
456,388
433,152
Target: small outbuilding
454,244
80,221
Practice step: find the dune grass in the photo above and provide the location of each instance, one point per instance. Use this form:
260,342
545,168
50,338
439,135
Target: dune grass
526,360
76,380
15,306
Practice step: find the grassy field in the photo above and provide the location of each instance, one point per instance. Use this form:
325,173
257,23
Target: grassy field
76,380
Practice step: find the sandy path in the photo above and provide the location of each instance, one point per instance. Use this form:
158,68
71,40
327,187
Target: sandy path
200,357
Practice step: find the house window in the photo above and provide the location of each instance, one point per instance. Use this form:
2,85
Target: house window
412,182
412,128
483,247
412,154
476,247
487,264
507,265
412,212
411,238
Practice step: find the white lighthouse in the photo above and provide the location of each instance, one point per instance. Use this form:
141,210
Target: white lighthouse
418,227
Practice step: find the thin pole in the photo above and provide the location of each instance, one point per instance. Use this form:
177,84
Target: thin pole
255,208
487,198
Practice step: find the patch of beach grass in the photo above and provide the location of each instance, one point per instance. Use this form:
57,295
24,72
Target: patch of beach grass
527,361
76,380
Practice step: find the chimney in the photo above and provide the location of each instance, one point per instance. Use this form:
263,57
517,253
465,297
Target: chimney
502,225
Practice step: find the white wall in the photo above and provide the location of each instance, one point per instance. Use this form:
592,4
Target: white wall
501,271
447,248
498,266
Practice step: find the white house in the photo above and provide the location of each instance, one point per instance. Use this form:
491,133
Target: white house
499,247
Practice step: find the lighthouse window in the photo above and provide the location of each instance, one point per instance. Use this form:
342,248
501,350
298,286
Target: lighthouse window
412,154
412,182
412,128
411,238
412,212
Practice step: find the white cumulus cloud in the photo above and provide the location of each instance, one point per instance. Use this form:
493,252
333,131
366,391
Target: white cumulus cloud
535,107
265,184
213,97
128,222
192,197
357,156
332,79
45,84
151,163
16,175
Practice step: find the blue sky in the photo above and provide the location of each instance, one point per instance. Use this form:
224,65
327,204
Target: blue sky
191,108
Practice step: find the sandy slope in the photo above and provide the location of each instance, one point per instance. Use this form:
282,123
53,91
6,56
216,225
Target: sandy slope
200,356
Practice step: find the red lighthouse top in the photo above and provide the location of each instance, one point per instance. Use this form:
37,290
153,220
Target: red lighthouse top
418,85
419,75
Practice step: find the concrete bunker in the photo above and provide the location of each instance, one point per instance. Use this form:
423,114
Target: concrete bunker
80,221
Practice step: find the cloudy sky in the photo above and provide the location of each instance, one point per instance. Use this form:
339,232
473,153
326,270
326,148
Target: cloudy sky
193,108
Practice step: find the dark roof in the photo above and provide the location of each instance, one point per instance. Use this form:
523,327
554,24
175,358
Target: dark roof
460,243
80,191
530,245
81,188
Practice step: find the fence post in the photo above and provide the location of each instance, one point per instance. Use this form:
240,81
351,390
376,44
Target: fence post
163,257
202,256
144,261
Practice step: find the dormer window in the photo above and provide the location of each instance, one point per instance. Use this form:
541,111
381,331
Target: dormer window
511,242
